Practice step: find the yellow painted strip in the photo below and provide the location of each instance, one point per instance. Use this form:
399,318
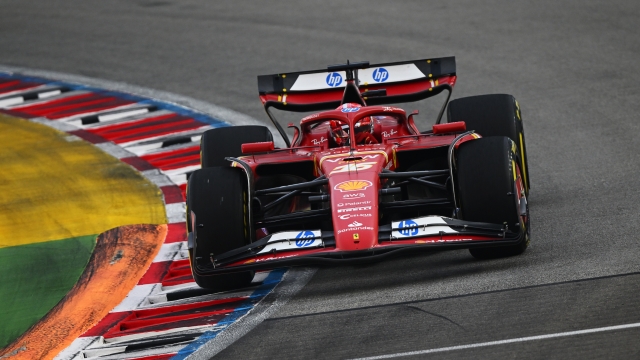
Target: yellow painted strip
120,258
513,167
524,167
55,186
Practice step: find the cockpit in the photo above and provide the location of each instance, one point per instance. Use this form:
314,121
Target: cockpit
368,130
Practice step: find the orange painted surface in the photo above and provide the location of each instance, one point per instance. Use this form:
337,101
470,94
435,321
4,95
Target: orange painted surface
120,258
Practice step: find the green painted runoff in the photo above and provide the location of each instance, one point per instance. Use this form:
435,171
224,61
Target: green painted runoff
35,278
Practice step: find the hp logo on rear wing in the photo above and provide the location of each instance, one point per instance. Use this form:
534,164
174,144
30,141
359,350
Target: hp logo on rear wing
380,75
334,79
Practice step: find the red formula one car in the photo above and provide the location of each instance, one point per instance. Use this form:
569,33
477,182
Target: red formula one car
359,181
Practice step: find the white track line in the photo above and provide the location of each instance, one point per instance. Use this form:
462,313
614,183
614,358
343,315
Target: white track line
502,342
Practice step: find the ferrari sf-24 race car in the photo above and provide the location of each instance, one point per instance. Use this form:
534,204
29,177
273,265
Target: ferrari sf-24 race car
359,181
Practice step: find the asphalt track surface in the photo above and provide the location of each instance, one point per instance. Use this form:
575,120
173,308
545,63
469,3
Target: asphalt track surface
573,66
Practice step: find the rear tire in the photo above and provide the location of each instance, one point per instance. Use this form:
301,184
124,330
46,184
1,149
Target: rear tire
486,183
217,196
219,143
493,115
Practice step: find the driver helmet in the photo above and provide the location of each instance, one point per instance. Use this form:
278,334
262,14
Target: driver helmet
339,133
363,128
345,106
363,131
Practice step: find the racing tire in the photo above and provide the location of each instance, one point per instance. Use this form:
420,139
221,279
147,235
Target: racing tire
493,115
217,196
219,143
485,179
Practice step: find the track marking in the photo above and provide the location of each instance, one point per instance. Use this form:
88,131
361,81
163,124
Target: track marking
502,342
182,101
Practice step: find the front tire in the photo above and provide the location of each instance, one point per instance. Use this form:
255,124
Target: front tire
486,179
217,196
493,115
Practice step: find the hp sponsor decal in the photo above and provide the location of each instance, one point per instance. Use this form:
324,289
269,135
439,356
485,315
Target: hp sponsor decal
408,228
305,238
380,75
334,79
350,110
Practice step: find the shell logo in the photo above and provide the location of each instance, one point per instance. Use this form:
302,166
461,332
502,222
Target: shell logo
353,185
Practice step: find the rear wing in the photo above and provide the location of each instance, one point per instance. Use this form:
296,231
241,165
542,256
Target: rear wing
317,90
377,84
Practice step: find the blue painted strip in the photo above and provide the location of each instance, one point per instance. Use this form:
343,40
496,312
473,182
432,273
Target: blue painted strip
243,308
138,99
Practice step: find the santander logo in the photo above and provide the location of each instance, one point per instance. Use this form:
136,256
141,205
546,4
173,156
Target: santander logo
354,224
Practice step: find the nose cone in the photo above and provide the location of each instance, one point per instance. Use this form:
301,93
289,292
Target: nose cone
353,181
355,211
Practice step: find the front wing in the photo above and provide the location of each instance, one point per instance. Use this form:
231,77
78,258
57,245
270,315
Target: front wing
315,247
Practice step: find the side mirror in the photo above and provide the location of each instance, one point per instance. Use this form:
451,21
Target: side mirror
454,127
296,134
257,147
412,123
